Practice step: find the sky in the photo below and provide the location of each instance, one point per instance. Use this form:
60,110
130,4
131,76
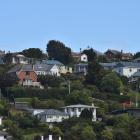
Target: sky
101,24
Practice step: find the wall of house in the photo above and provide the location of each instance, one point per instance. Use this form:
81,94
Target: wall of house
126,71
22,75
84,58
55,118
55,71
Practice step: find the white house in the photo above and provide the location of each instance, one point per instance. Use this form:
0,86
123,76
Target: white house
45,69
127,71
49,115
75,110
19,59
4,136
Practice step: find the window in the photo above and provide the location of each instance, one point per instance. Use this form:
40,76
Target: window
130,70
27,72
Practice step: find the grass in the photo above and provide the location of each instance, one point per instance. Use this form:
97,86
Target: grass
23,100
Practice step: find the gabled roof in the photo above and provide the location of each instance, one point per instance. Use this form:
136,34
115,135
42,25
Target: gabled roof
53,112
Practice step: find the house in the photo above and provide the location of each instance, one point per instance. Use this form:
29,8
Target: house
50,137
133,112
45,69
112,54
28,74
28,77
115,55
137,60
127,69
81,68
62,68
75,110
5,136
19,59
51,115
79,57
126,56
24,106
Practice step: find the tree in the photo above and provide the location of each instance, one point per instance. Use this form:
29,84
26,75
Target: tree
111,83
58,51
106,135
82,131
77,97
137,55
8,58
91,54
49,80
95,74
86,114
33,53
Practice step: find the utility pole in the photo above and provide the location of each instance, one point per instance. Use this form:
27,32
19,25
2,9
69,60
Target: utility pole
69,86
137,96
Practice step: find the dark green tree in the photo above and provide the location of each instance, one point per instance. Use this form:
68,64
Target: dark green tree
86,114
33,53
137,55
58,51
95,74
111,83
8,58
91,54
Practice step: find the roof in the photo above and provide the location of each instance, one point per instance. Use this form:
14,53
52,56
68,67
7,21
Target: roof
113,51
79,106
136,74
42,67
52,62
15,69
27,67
53,112
120,64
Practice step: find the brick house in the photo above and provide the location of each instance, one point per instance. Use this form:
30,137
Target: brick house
28,78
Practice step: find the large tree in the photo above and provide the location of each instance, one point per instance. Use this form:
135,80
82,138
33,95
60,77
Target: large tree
111,83
95,73
91,54
33,53
137,55
58,51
